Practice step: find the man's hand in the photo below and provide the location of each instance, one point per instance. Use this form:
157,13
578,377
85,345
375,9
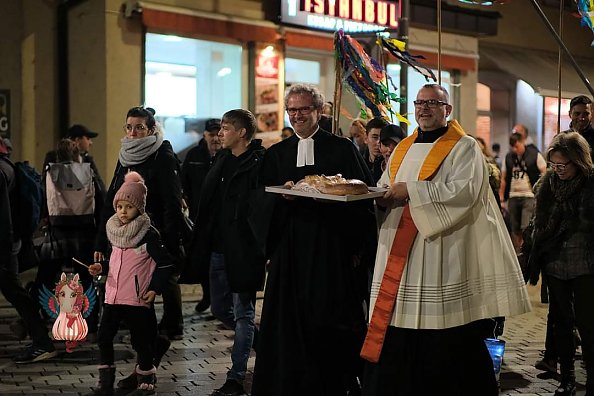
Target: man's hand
397,193
95,269
288,186
149,296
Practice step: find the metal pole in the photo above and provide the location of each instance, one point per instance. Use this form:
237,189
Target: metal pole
559,82
403,36
563,47
439,42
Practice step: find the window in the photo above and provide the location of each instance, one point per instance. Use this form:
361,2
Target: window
188,81
550,118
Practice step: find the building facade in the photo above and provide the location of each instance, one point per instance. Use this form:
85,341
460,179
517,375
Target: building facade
89,61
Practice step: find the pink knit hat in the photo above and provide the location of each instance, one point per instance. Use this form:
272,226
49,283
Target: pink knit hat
133,190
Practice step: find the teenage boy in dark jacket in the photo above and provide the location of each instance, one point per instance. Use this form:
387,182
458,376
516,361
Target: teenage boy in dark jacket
227,238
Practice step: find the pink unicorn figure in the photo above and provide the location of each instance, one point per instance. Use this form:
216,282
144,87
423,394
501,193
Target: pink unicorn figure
70,306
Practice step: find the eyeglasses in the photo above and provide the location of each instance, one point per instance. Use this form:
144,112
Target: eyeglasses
559,167
431,103
138,128
301,110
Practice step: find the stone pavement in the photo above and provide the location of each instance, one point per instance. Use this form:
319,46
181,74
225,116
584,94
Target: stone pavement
198,364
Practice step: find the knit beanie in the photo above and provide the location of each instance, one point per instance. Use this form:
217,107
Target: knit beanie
133,190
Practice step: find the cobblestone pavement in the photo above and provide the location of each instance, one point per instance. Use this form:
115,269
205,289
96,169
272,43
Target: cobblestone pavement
198,364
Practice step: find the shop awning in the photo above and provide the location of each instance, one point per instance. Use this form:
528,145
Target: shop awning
538,69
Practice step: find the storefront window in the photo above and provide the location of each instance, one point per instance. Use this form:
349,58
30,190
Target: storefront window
300,71
550,117
188,81
415,82
483,107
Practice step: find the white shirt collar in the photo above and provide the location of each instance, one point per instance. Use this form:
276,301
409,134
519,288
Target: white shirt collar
305,150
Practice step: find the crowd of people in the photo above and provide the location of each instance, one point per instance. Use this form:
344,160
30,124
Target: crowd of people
401,309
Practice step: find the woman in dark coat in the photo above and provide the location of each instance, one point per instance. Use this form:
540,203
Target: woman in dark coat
562,246
144,151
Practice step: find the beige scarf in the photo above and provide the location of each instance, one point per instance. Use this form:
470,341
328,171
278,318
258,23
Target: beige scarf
127,235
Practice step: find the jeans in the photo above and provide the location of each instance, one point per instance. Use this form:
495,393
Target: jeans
236,311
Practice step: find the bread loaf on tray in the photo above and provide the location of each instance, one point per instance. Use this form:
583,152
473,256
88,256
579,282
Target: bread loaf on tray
333,185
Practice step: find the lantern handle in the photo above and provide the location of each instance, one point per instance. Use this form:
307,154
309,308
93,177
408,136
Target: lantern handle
80,262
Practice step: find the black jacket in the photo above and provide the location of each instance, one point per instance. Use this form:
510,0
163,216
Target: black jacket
530,159
555,222
163,203
6,234
194,169
242,206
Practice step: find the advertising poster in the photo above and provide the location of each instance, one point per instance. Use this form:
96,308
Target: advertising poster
267,97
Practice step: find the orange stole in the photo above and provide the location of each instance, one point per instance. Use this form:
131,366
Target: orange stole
405,237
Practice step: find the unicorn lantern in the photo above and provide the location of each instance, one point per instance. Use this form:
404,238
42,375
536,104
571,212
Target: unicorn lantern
69,306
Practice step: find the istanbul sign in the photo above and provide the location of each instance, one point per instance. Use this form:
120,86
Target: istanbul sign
350,15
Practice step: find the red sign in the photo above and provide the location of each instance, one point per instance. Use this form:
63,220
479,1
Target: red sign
367,11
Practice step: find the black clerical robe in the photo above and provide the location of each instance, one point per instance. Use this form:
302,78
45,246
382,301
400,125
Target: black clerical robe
313,318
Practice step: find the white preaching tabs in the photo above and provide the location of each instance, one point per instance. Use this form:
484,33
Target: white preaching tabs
305,150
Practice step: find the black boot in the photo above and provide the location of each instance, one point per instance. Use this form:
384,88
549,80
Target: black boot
162,345
567,385
105,385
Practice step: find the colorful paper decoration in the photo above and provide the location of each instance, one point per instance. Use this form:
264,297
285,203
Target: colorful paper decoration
484,2
364,77
398,49
586,10
69,306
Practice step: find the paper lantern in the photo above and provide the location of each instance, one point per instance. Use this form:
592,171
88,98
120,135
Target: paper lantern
69,305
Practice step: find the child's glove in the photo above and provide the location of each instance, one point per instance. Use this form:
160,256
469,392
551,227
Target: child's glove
95,269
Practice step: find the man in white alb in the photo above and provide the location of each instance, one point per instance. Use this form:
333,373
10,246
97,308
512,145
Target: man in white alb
445,264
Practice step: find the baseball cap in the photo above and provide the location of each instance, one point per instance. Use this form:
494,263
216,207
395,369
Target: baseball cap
212,125
77,130
393,132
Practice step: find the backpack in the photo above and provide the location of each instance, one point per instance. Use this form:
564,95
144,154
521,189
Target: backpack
70,193
29,199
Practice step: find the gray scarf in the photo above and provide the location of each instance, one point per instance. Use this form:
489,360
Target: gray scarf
127,235
136,151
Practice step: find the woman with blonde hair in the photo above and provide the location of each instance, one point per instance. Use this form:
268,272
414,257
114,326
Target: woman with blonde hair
561,244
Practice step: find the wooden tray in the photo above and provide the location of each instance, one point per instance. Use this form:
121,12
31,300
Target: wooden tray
374,192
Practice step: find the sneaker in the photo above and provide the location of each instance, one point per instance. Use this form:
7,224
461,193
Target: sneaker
202,306
230,388
35,354
549,365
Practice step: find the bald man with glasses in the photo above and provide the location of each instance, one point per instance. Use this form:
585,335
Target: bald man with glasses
444,265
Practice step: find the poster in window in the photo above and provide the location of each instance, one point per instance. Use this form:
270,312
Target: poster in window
267,90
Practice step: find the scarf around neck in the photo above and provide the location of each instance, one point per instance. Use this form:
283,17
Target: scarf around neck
556,203
127,235
136,151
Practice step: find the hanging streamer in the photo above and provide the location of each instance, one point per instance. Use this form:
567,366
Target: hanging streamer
398,49
364,77
586,10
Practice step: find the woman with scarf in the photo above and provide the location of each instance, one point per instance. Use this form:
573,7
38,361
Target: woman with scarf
144,151
561,244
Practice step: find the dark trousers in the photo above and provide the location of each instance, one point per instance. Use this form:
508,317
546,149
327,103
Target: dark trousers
566,298
172,322
142,323
13,291
447,362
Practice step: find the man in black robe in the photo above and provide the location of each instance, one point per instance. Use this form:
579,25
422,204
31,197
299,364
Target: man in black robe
313,318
